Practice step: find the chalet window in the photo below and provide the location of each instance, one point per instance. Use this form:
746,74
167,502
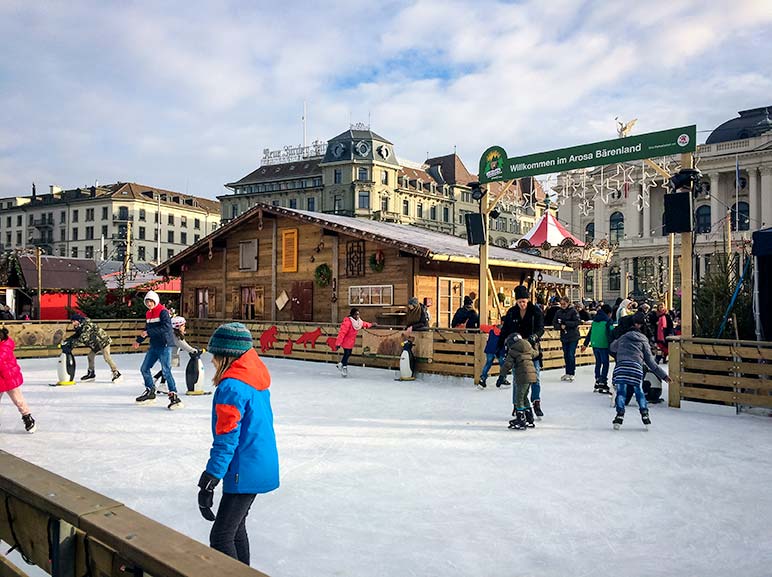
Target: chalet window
289,250
371,295
248,255
252,302
205,302
355,258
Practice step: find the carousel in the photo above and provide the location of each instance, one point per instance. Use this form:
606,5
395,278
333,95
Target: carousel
548,238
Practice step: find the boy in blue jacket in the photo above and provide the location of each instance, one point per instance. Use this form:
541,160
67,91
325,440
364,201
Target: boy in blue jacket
244,451
491,354
158,326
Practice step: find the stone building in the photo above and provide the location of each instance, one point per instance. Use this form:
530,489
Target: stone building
357,173
94,222
625,205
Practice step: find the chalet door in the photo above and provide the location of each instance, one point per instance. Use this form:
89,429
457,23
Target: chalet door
450,296
302,301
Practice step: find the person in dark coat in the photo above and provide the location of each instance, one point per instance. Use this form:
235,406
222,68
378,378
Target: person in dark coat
567,322
466,316
549,315
417,317
526,319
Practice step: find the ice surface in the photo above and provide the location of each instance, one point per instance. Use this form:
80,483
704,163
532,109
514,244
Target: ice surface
387,478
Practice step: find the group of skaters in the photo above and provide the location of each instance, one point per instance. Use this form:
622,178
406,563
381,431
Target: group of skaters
635,336
243,456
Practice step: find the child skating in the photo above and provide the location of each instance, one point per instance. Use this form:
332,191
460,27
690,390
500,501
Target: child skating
158,326
520,355
347,336
243,453
178,329
598,337
632,350
11,379
89,334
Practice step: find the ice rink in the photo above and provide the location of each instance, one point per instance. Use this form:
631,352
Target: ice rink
387,478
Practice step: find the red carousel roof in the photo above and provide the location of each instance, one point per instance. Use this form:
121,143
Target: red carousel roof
548,229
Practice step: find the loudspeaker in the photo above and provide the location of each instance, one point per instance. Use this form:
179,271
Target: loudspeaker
678,212
475,228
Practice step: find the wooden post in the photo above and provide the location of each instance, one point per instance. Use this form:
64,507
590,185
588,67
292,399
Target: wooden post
687,161
274,264
480,339
483,276
675,367
671,270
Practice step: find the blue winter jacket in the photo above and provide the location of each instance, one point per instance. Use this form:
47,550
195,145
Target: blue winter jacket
492,345
158,326
244,451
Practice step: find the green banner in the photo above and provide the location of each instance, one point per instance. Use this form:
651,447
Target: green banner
495,166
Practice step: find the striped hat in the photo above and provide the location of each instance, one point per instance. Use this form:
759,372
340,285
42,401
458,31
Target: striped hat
230,340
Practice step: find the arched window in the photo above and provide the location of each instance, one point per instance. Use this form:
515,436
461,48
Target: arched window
616,227
589,232
703,218
588,282
742,209
614,279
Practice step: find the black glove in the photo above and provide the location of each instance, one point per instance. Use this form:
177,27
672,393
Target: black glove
206,483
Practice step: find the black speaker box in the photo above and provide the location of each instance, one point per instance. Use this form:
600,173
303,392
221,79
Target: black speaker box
678,212
475,228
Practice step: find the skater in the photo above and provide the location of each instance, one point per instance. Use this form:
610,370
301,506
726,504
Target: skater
631,351
158,326
664,330
567,322
598,338
178,329
347,336
243,453
417,317
526,319
11,379
520,356
87,333
466,317
491,354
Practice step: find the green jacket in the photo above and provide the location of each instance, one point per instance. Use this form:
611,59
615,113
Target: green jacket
89,335
599,335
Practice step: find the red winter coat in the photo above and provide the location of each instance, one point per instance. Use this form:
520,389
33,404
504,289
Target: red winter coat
10,372
347,335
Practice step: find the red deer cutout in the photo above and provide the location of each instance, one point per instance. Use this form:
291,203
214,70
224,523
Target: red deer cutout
331,343
268,339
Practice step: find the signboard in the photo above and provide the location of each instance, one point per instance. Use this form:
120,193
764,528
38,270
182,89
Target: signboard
495,166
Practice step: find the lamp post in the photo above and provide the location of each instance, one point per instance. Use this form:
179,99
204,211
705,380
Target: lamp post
478,193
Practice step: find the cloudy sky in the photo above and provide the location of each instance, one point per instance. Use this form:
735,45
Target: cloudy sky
186,95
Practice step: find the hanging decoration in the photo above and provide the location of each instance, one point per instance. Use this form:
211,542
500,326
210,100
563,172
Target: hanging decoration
323,275
377,261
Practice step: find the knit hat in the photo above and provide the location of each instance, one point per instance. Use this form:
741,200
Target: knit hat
639,318
412,301
467,302
230,340
77,317
521,292
152,296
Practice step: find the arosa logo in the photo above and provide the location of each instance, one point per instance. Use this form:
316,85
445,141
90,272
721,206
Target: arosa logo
683,140
493,163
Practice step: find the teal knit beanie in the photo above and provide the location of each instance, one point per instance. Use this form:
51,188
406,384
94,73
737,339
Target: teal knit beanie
230,340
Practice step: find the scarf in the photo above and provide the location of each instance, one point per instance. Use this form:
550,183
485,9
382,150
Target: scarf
356,323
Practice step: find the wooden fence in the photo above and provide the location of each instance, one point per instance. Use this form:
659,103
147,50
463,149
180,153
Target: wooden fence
68,530
721,371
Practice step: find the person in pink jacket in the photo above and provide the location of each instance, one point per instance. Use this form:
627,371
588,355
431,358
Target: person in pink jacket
11,379
347,336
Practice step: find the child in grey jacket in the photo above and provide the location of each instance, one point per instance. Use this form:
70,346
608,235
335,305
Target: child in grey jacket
632,350
520,355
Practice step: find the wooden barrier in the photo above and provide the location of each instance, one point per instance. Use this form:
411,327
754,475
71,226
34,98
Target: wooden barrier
721,371
69,530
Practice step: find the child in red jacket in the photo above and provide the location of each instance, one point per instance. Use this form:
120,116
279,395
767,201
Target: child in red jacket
11,379
347,336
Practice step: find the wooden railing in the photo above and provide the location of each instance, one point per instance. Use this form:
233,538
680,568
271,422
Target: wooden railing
720,371
68,530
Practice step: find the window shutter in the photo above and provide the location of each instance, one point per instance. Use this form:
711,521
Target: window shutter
248,255
289,249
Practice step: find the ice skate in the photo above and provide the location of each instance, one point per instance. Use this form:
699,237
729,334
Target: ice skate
117,377
89,376
344,371
537,410
518,423
29,423
603,389
564,378
174,402
645,419
481,384
570,378
529,419
146,398
617,422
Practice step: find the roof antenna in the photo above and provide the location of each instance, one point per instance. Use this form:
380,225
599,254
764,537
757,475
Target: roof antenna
369,117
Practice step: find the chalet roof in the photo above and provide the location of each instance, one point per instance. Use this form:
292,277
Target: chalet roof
270,172
421,242
56,272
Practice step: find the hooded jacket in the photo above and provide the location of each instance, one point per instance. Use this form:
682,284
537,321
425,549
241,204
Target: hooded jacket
244,453
599,335
158,325
633,346
520,354
10,372
90,335
347,335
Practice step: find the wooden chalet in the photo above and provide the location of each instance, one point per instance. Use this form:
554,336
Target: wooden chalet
281,264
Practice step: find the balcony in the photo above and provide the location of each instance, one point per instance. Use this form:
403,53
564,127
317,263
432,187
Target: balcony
43,223
123,217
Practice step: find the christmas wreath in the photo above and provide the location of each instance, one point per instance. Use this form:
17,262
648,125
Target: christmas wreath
323,275
377,261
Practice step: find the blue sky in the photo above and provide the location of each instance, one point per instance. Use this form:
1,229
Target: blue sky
186,95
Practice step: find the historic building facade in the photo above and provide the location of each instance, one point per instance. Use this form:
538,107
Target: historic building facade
100,222
357,173
625,205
